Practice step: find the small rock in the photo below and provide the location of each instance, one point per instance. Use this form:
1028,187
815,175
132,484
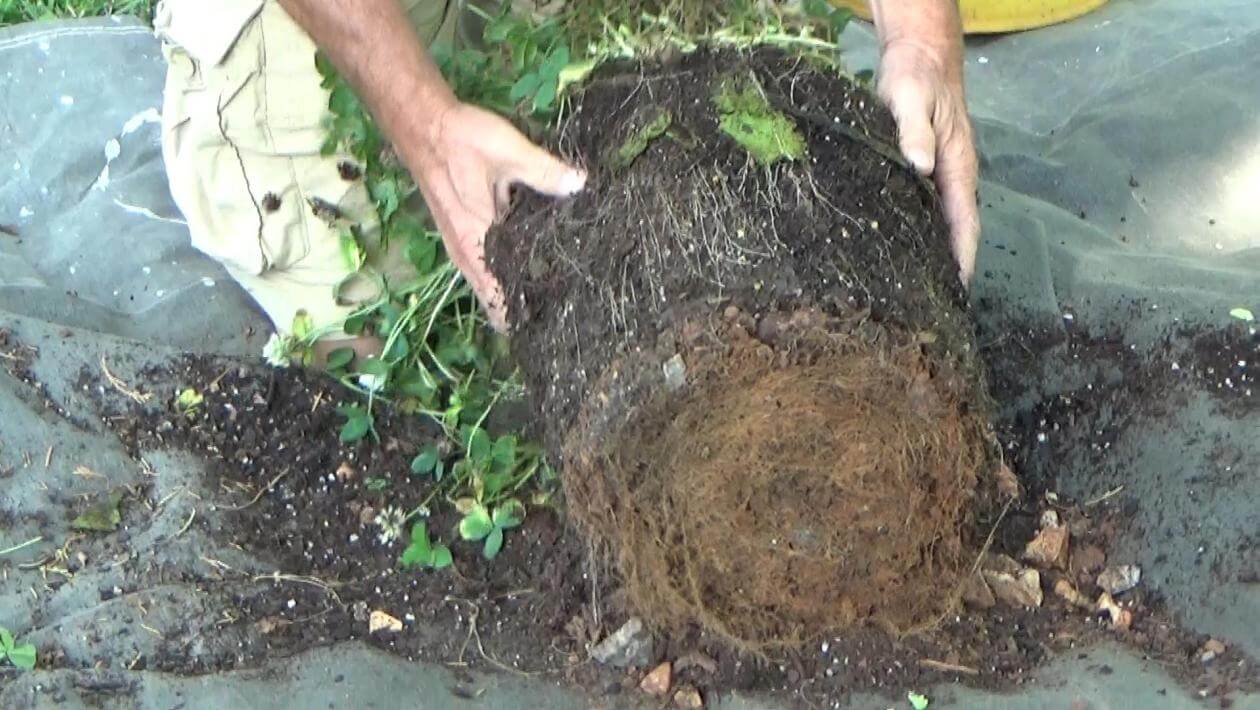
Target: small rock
976,593
1211,650
1087,561
1007,483
689,698
1023,589
345,471
657,682
1064,589
695,659
675,373
996,562
268,624
631,645
380,621
1120,579
1049,549
1121,619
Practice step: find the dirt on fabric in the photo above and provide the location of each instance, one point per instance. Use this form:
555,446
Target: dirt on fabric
544,602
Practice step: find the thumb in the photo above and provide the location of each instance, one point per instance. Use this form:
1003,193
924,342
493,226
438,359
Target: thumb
543,172
911,103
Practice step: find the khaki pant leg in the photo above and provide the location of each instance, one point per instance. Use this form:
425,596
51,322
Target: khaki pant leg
243,124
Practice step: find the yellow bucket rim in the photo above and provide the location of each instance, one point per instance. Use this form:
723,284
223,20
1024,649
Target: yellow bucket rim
998,16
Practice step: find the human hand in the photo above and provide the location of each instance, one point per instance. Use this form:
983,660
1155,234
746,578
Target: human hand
465,167
922,84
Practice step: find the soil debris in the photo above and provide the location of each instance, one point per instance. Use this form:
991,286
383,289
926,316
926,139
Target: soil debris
382,621
1121,618
1210,650
976,593
1049,549
345,471
1119,579
688,698
1072,595
1007,482
696,659
1087,561
658,680
1020,589
628,646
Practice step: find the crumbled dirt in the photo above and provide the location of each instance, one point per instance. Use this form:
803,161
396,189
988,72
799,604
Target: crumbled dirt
16,357
300,499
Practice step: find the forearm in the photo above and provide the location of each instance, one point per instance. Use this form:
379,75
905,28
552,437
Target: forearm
372,44
932,24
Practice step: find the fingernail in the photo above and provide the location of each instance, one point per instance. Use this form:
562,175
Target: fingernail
573,182
920,160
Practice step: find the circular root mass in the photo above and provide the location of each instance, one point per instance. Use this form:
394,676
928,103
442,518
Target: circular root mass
786,494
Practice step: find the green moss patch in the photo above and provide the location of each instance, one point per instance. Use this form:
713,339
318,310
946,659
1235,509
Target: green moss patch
745,115
641,138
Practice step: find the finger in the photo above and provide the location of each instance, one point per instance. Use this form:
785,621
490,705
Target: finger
957,181
496,308
490,294
541,171
488,290
464,238
911,102
502,200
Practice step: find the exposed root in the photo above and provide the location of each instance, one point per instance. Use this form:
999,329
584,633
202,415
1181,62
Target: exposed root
790,492
129,392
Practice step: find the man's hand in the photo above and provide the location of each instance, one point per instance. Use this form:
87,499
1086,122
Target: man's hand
465,170
464,159
921,81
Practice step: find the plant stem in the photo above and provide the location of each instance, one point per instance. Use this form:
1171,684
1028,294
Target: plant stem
28,543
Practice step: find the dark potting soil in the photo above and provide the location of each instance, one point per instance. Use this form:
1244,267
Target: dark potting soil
694,224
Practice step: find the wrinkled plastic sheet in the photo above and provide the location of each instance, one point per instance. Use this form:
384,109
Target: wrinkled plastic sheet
1121,164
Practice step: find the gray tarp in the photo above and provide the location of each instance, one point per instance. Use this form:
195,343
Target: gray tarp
1163,92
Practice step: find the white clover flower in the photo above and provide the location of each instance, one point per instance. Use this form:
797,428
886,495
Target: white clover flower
277,351
372,383
391,521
